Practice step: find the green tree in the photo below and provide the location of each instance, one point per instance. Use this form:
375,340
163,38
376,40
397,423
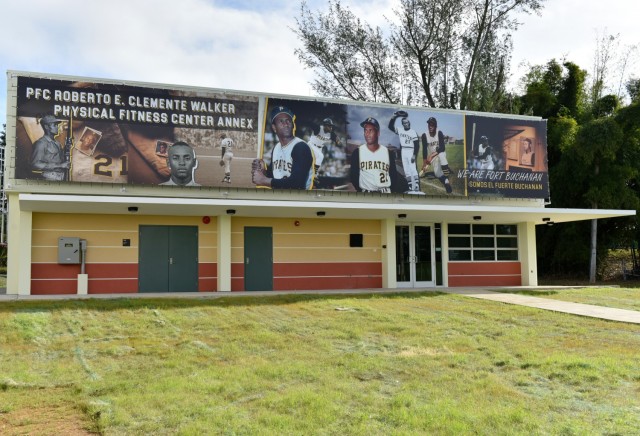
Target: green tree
633,88
436,53
351,59
593,163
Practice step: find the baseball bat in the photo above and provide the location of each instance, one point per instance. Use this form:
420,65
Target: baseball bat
473,140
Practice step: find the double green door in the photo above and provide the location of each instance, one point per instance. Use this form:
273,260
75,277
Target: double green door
168,259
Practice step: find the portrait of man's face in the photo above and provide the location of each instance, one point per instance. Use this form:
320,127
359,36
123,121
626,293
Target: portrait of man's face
283,126
371,134
181,161
88,141
432,128
51,128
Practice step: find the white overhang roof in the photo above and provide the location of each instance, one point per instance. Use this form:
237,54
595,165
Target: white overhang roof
307,209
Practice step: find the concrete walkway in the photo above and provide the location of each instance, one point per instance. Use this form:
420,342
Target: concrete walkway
608,313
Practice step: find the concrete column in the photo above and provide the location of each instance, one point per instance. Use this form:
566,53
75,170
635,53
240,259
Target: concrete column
224,253
388,232
19,248
83,284
527,252
444,232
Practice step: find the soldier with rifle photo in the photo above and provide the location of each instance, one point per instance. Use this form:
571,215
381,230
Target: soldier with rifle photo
48,158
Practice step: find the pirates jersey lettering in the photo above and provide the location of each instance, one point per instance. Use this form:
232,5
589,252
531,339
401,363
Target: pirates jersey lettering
374,169
407,137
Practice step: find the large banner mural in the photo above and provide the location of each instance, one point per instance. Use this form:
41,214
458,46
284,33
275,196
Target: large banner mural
368,148
103,133
89,132
506,157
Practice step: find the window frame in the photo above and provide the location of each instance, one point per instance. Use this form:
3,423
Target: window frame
501,232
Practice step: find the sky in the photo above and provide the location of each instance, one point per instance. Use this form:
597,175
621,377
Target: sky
246,45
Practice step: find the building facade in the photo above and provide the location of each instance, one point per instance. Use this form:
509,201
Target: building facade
119,187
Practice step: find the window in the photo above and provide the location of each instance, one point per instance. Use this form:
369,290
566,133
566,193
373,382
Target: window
356,240
483,242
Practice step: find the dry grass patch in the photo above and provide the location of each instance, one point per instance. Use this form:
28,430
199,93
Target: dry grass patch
48,420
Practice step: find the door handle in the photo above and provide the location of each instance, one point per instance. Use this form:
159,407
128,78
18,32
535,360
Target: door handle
171,261
247,261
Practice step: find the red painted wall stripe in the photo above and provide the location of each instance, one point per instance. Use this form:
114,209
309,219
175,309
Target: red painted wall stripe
209,284
104,278
54,287
483,268
113,286
484,274
317,276
327,269
485,281
303,283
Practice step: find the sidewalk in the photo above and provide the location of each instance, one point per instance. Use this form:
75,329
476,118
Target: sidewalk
588,310
608,313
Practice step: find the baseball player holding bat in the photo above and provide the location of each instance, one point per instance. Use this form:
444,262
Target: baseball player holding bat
292,160
434,154
484,154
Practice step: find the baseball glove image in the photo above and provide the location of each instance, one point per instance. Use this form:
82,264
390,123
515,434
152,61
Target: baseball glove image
401,113
221,163
257,166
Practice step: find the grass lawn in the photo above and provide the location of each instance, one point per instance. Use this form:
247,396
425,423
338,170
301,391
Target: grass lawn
360,365
619,298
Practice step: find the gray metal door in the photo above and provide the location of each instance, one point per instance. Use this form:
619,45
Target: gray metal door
258,259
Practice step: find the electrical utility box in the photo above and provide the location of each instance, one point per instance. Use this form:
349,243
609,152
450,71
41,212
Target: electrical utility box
68,250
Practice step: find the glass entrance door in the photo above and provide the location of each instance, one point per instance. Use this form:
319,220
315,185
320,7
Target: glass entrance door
415,266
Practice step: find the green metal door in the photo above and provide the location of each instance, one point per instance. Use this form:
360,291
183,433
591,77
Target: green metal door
258,258
168,259
183,259
153,266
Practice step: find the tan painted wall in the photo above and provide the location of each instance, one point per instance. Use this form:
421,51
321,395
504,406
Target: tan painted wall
314,240
104,235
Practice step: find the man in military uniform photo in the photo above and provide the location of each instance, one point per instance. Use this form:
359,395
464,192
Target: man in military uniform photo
47,158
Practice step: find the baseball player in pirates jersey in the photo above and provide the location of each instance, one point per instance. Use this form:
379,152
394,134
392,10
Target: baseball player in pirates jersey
323,139
409,146
434,154
484,154
226,156
292,161
373,166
